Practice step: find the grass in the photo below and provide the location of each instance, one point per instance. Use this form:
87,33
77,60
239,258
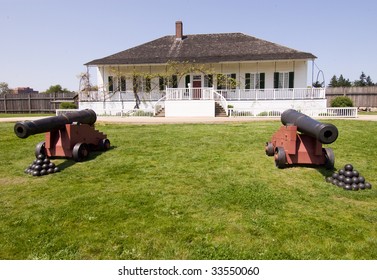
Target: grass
192,191
12,115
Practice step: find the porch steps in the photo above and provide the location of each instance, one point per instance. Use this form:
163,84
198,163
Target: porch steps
219,110
160,113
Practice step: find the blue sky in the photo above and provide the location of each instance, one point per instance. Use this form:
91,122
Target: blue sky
46,42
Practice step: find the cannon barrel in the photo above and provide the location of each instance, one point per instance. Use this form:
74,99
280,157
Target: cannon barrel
26,128
323,132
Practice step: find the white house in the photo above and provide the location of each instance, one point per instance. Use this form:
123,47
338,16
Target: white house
201,75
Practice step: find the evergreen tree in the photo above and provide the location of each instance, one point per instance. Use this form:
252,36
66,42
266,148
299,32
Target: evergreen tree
333,81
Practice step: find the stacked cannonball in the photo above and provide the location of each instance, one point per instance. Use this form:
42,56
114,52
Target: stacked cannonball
349,179
41,166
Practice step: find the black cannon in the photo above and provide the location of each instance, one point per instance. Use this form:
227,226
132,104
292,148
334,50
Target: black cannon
69,135
323,132
27,128
290,147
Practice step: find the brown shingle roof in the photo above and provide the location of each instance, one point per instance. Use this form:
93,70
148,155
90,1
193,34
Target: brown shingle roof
203,48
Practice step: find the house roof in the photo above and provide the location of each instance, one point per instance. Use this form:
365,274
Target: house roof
203,48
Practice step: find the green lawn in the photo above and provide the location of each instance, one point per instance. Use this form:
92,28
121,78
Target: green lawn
192,191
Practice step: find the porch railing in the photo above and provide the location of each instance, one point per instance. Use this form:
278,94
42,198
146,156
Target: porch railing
333,112
274,94
206,94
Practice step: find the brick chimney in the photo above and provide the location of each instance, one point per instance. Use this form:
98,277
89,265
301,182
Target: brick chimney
178,30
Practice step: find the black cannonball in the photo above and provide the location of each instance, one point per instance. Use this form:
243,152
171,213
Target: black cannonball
355,173
361,186
335,182
348,167
41,157
46,161
355,187
56,169
27,170
341,171
341,177
368,185
361,179
38,167
36,173
355,180
340,184
45,166
335,175
329,179
51,165
348,173
50,170
43,172
347,187
347,181
39,162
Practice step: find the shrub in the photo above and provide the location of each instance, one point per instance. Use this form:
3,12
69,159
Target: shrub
341,101
67,105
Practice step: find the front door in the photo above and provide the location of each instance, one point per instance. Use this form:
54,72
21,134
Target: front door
197,91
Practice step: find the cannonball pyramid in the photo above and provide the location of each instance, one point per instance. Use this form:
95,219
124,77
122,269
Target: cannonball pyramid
41,166
349,179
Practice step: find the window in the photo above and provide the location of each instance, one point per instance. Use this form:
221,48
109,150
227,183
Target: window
254,80
226,81
111,83
208,81
284,80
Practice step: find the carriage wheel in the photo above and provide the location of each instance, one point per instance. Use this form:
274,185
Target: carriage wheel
330,158
80,151
269,149
104,144
280,159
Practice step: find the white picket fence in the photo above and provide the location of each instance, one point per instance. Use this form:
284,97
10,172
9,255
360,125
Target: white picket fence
333,112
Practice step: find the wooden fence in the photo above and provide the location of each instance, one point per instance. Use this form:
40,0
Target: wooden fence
361,96
34,102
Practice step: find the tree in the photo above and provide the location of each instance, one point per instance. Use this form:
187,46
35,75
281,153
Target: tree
333,81
56,88
342,82
4,88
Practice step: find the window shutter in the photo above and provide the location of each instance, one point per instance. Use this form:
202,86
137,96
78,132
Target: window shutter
261,80
291,79
276,80
187,80
234,82
161,83
123,83
175,81
111,83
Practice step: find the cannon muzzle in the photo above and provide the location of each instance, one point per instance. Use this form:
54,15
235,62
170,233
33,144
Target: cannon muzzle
26,128
323,132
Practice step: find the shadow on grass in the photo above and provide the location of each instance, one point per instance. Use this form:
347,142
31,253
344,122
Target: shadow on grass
92,155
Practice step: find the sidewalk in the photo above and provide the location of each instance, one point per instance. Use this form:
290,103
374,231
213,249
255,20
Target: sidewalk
179,120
